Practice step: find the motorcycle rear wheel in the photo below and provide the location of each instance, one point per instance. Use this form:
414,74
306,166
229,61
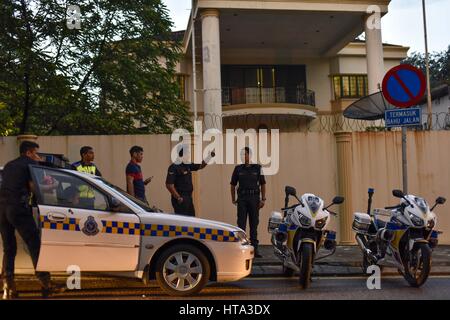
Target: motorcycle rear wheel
306,265
418,274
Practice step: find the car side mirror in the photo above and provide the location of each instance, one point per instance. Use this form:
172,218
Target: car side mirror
398,194
338,200
114,203
290,191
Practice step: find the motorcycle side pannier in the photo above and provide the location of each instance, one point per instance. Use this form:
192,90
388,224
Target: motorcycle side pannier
361,222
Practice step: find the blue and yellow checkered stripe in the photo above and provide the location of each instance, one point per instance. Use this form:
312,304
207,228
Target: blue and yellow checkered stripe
118,227
155,230
69,224
149,230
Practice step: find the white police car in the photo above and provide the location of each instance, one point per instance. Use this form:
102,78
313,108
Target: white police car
91,224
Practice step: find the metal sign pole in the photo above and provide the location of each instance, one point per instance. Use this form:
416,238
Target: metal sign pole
427,64
194,62
404,161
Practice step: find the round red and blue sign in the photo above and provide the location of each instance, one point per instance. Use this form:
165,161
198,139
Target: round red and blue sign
404,86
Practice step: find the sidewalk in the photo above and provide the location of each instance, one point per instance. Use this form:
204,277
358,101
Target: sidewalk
345,262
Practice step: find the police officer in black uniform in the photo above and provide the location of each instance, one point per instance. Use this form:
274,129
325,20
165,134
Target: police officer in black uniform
251,196
179,184
16,215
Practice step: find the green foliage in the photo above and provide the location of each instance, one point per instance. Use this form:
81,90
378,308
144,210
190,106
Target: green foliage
439,66
106,78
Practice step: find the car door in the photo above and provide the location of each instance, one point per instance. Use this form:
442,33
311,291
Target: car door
86,234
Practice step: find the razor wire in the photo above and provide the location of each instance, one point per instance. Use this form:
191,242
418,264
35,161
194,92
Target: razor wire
321,123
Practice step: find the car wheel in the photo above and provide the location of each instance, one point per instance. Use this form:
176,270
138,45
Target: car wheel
182,270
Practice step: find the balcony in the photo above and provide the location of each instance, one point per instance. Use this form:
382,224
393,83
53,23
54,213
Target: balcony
279,95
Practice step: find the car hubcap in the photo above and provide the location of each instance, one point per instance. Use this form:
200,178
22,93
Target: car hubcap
182,271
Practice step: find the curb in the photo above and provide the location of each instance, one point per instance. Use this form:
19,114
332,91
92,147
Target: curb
274,271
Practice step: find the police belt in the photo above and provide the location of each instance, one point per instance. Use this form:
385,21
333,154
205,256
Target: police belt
248,192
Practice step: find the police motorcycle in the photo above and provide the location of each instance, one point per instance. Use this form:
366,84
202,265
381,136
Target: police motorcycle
405,241
300,231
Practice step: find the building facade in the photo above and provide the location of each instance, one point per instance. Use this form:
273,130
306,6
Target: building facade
282,64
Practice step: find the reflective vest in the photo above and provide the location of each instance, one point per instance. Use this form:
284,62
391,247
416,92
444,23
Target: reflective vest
86,192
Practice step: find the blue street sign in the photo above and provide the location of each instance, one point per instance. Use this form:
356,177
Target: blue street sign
403,117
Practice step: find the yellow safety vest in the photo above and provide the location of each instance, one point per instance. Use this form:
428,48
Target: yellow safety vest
85,191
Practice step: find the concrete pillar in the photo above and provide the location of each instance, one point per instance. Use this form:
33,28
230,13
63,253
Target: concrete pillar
344,167
375,55
212,102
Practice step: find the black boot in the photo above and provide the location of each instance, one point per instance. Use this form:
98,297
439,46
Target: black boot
257,253
9,290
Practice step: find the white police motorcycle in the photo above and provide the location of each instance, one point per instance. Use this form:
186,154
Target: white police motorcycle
300,231
405,241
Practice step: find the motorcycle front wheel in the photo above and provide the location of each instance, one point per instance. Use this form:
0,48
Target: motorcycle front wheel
418,268
306,265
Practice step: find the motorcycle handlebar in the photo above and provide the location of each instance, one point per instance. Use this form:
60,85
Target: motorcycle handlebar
395,207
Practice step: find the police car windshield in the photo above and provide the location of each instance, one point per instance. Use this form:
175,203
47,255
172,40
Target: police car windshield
129,197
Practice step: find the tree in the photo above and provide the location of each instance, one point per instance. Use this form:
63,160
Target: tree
104,78
439,66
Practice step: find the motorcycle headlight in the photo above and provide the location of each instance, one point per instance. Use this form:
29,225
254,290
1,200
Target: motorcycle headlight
242,237
321,223
305,221
418,222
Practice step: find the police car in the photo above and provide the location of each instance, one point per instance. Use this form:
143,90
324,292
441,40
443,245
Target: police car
116,233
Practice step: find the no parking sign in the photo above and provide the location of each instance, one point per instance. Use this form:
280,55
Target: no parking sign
404,86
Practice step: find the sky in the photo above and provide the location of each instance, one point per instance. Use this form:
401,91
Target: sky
403,24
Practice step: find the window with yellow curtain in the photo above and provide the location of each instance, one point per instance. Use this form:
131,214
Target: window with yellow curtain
337,87
350,86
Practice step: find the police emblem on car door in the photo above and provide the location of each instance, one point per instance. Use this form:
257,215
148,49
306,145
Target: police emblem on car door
90,227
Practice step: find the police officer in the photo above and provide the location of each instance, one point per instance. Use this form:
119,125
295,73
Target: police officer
179,184
86,165
251,196
16,215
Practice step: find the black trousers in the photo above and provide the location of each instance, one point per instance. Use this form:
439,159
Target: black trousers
248,206
185,208
12,218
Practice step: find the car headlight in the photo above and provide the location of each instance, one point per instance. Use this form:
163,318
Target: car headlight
305,221
242,237
321,223
418,222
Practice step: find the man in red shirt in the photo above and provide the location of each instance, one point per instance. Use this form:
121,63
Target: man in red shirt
135,180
